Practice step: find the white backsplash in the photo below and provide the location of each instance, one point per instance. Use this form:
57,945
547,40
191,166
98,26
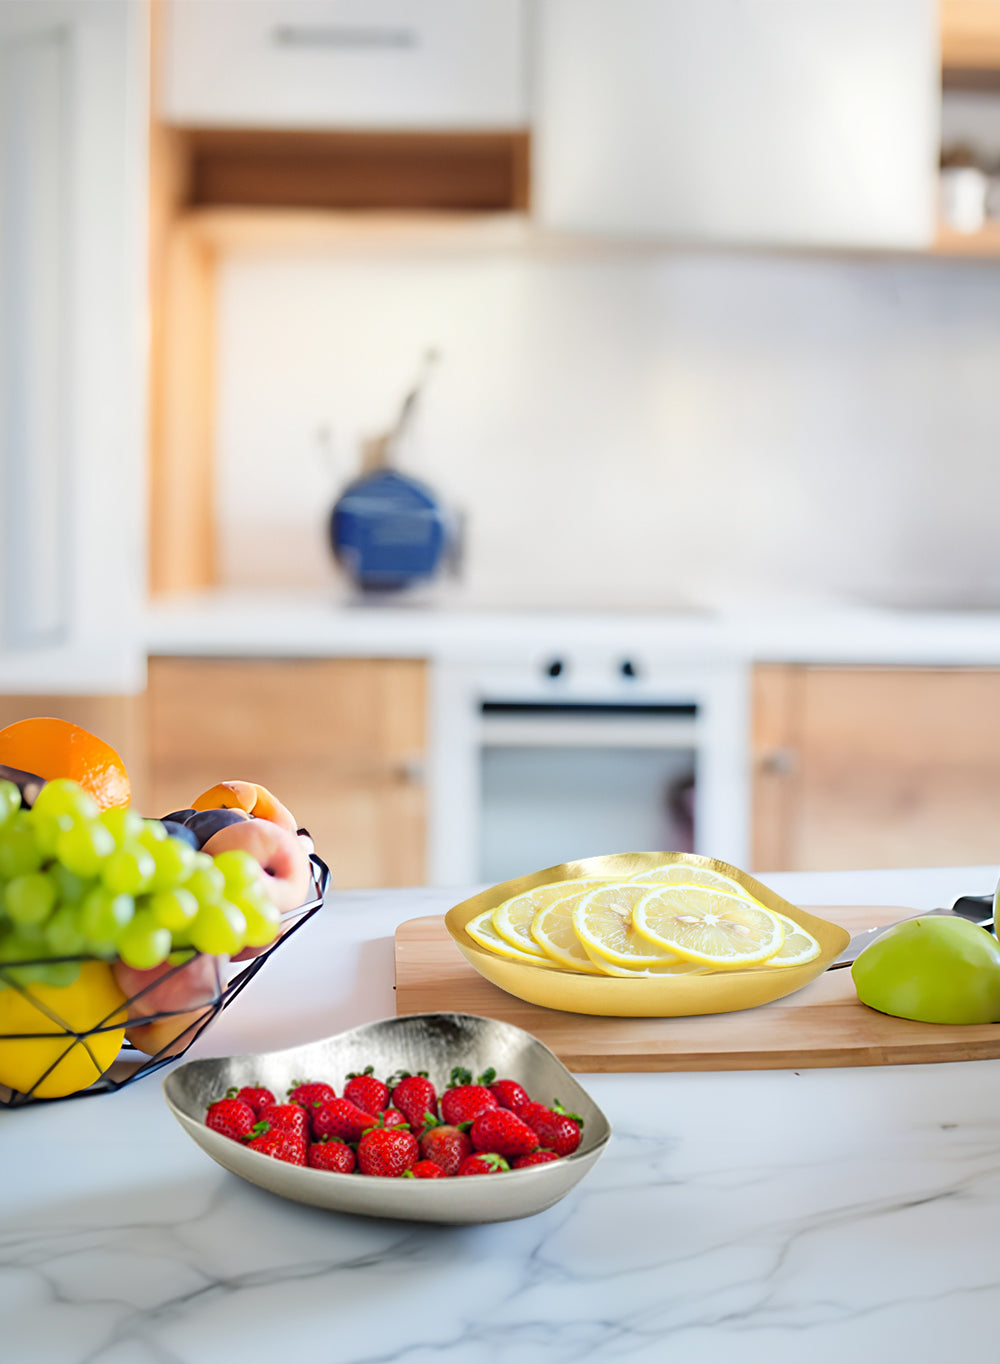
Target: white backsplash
624,426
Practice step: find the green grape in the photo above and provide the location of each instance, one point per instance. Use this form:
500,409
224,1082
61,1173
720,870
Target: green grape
31,898
19,851
263,920
128,870
206,883
64,797
173,909
71,888
152,833
144,943
124,826
83,847
219,928
239,869
178,958
175,861
10,800
47,830
62,933
103,916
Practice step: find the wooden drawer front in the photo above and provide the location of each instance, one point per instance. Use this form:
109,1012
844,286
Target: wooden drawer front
340,741
345,64
877,767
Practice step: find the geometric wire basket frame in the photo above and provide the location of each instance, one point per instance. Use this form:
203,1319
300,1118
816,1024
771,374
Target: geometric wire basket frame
129,1067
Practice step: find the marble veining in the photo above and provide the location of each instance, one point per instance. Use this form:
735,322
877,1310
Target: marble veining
735,1218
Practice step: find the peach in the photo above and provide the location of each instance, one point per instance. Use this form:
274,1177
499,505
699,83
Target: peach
187,992
249,796
285,867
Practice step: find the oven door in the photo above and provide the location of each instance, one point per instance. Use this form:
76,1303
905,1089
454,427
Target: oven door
569,780
525,774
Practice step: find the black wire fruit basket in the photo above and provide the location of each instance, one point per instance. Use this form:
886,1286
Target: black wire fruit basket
180,1027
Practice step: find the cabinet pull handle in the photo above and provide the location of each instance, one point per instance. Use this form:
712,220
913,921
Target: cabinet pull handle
413,771
779,762
344,36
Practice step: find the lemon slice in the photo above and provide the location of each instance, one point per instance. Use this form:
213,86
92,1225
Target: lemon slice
798,947
552,929
673,968
707,926
512,919
481,931
683,874
603,923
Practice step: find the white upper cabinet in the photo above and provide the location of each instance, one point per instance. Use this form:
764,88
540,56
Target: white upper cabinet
754,121
73,137
328,64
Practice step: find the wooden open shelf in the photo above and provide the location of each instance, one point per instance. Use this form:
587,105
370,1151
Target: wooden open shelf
984,244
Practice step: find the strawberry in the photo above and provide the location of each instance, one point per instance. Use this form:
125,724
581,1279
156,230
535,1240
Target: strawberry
508,1093
499,1130
363,1089
232,1117
282,1145
414,1096
463,1101
254,1095
446,1146
531,1111
311,1094
558,1130
534,1158
483,1163
286,1117
341,1118
387,1152
424,1169
391,1117
333,1155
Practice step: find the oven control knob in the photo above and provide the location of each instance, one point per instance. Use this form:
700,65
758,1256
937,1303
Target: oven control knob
555,668
628,668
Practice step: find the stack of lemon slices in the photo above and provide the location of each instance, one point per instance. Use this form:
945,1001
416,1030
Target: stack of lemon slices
677,919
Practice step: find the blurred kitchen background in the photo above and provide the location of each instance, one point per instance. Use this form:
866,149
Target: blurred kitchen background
513,430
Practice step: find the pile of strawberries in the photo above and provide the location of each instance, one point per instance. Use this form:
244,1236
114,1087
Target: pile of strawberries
399,1127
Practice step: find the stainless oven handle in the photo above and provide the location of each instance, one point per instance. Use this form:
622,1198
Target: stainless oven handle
497,731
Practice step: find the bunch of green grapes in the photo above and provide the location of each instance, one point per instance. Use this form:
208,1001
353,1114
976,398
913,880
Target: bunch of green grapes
76,881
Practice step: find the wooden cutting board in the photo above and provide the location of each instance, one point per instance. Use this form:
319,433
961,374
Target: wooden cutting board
820,1025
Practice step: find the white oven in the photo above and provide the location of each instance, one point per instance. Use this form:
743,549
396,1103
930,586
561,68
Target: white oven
568,755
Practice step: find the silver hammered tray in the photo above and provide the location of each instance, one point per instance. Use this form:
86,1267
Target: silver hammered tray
431,1042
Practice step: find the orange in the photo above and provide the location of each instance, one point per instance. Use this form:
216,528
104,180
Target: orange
52,748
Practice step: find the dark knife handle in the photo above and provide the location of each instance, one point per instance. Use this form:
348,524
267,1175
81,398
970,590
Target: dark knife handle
977,908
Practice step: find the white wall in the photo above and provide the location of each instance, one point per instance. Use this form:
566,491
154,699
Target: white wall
628,427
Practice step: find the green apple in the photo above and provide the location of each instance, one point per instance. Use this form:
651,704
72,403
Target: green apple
933,969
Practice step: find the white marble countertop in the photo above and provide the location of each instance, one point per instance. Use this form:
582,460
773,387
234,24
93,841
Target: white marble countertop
735,1218
319,624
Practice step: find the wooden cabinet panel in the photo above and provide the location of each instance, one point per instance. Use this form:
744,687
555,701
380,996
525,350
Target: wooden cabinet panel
876,767
970,34
340,741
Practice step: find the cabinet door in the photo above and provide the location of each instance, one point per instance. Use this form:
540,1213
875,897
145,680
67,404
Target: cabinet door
345,64
72,343
876,767
339,741
771,121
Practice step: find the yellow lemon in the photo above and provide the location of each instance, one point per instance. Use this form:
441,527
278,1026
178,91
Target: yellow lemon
603,922
798,947
686,874
674,967
553,931
43,1051
512,920
481,931
708,926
